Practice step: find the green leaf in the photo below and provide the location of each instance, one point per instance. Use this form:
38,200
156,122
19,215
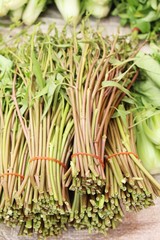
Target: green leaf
150,65
143,26
117,85
52,86
154,4
37,71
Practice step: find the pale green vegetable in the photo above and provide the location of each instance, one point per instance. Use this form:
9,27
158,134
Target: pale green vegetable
32,11
16,15
147,94
70,9
150,66
151,128
147,151
101,2
3,8
145,88
148,85
5,72
96,9
15,4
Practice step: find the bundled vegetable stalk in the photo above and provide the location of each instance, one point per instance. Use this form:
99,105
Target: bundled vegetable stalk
136,187
58,97
14,151
127,181
98,75
42,142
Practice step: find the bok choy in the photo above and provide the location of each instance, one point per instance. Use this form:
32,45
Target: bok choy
147,114
98,9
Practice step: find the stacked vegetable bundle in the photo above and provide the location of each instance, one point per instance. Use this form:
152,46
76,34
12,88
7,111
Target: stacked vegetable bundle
64,161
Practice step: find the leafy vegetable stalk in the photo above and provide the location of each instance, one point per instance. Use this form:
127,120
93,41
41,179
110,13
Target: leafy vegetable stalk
136,186
97,82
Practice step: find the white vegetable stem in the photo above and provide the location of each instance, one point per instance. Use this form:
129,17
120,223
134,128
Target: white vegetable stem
96,9
3,8
15,4
70,9
16,15
32,11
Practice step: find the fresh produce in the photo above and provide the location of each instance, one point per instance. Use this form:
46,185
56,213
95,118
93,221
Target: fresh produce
3,8
67,157
98,9
70,10
147,131
14,5
16,15
142,15
32,11
97,88
126,165
147,114
26,10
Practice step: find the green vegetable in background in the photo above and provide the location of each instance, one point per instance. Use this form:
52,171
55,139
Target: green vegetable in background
15,4
148,84
98,9
16,15
32,11
3,8
70,9
147,115
148,142
142,15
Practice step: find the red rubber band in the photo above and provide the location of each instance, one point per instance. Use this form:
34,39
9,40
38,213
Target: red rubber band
90,155
49,159
12,174
122,153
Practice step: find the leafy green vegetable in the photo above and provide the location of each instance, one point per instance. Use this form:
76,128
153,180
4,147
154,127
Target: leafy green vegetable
71,11
3,8
98,9
15,4
141,15
147,115
148,142
16,15
32,11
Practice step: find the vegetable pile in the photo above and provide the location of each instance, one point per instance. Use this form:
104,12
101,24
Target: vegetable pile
146,92
68,158
28,11
142,15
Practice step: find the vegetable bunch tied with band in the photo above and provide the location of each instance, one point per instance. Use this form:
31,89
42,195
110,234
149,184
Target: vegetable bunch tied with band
68,156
